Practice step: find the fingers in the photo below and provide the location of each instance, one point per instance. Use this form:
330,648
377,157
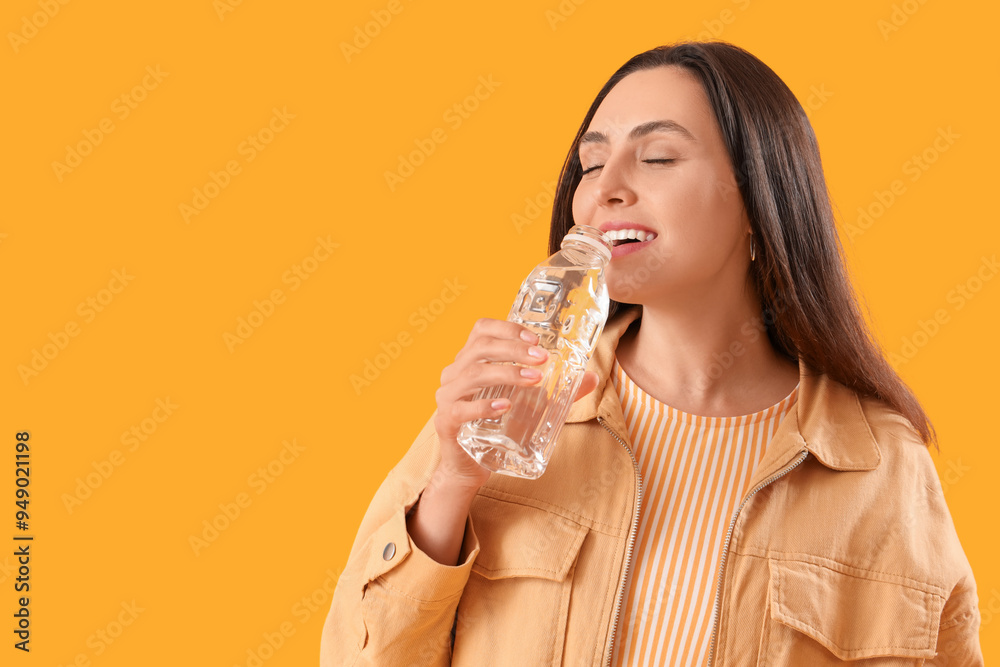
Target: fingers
457,413
496,341
497,352
486,326
481,376
489,348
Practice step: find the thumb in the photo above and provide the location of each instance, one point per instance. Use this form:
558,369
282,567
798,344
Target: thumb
587,385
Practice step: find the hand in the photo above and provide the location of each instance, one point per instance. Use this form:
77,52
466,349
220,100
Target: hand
495,341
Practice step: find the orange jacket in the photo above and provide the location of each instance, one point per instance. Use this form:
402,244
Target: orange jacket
842,549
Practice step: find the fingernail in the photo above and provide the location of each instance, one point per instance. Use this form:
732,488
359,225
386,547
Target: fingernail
497,405
530,373
527,336
537,352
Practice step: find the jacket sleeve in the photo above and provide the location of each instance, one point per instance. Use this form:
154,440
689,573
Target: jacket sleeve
393,604
958,634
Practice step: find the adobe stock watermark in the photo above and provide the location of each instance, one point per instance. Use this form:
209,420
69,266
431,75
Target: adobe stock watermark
899,530
31,25
958,297
248,149
751,330
714,27
122,107
898,17
223,7
316,601
103,638
989,609
563,11
271,642
625,287
364,33
7,569
534,206
953,474
229,511
59,340
915,166
957,652
420,320
132,439
294,277
437,649
587,495
816,99
455,116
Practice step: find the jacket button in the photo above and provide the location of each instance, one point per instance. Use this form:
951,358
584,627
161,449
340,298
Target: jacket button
389,551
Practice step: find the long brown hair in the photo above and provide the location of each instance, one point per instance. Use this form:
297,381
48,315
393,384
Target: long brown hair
808,306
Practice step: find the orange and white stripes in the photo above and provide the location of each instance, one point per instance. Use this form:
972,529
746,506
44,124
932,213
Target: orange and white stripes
695,471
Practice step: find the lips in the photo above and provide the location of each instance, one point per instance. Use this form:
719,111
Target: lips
630,248
627,237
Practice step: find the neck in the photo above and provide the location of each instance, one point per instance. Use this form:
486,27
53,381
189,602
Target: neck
710,361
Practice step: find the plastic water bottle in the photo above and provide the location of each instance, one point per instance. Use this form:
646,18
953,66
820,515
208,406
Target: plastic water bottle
565,301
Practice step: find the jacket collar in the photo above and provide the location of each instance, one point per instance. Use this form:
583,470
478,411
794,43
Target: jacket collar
828,419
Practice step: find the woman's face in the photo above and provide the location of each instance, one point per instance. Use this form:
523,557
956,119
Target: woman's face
654,161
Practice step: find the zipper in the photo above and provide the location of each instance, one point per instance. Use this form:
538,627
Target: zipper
725,548
631,541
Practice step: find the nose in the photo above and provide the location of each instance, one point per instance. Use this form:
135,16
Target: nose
613,185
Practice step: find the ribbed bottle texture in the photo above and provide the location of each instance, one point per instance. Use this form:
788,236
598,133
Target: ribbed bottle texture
565,301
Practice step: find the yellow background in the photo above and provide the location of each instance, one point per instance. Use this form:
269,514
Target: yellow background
162,336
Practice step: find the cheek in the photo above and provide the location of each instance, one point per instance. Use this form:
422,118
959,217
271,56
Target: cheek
729,191
581,213
702,215
714,197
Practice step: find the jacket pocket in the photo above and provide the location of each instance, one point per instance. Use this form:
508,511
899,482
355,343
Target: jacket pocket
827,615
515,605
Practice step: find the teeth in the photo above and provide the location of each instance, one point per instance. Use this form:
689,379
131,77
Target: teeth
637,234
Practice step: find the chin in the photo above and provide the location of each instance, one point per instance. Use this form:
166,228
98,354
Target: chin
626,290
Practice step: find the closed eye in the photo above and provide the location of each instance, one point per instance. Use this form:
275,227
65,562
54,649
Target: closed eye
650,161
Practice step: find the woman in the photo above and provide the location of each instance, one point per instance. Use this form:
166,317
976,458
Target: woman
749,484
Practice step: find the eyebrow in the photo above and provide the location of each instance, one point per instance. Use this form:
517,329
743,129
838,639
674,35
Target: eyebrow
640,131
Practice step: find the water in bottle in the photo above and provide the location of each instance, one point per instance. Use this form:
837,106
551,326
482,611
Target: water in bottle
565,301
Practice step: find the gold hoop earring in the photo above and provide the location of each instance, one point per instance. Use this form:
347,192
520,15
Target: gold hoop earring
752,254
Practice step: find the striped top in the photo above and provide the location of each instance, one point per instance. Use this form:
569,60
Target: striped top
695,471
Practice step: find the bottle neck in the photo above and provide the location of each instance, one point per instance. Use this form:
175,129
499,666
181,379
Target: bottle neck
589,241
584,253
